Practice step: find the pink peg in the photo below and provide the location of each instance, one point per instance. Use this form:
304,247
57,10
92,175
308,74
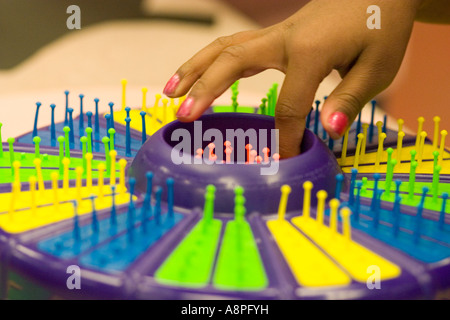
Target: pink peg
248,147
266,154
228,155
199,153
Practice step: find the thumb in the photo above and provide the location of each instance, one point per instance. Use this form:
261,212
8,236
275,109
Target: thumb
344,104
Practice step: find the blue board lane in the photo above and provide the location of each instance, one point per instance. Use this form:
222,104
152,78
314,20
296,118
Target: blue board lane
120,252
65,246
428,228
428,249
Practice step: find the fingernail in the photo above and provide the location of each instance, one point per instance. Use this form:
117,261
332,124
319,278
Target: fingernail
185,108
172,84
338,122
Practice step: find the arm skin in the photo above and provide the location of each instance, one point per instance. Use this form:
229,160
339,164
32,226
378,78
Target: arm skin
434,11
322,36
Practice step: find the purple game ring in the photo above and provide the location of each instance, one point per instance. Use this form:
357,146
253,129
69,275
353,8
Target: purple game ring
171,151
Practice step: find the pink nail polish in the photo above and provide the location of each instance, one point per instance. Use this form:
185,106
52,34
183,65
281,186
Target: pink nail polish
172,84
338,122
185,108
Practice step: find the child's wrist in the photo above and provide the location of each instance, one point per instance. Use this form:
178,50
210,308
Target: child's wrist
433,11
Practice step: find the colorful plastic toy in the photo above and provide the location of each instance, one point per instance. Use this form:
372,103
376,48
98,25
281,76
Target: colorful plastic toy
146,215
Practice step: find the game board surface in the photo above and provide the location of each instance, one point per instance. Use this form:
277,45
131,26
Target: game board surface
362,217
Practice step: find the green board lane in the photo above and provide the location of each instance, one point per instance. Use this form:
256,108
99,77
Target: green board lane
239,265
49,164
191,263
367,192
240,109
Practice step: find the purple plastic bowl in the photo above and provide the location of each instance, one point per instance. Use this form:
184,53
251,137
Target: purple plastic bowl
316,163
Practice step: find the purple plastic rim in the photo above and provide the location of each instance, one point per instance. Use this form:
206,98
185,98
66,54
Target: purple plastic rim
316,163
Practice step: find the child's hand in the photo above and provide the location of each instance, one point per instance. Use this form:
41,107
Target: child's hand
322,36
